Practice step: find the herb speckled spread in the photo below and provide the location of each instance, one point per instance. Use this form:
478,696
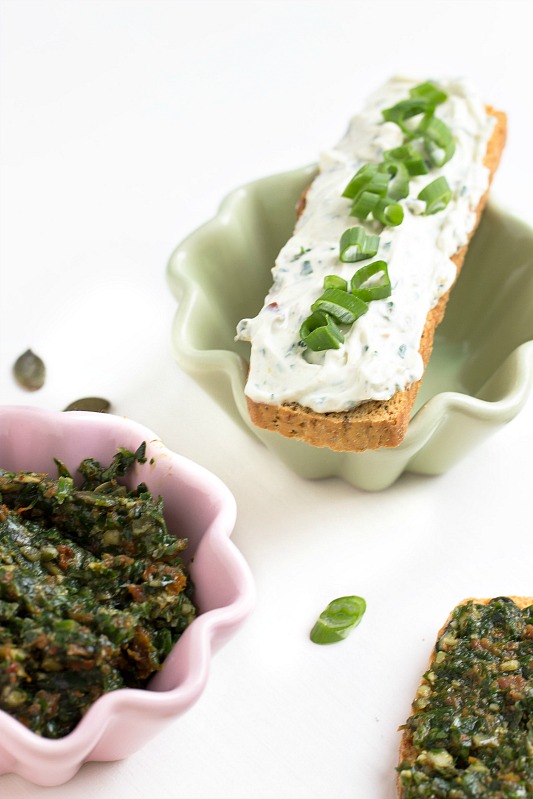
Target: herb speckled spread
380,355
93,590
472,725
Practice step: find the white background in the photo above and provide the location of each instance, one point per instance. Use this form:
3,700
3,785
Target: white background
123,124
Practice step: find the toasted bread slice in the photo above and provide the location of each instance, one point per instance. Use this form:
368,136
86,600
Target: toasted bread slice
373,424
408,751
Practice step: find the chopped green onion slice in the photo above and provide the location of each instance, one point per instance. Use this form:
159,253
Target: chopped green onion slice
438,142
356,245
335,282
406,110
436,195
379,183
430,92
368,178
416,166
411,158
400,153
388,213
343,307
378,290
338,620
364,204
360,181
319,332
398,187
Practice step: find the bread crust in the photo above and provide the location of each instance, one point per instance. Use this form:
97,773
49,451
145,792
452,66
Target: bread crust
408,752
373,424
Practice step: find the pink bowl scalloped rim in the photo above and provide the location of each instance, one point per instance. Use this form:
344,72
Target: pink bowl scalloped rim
199,506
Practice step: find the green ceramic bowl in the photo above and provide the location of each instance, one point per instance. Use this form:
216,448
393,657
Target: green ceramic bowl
482,363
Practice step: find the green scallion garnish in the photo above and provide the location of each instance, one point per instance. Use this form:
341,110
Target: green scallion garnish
343,307
335,282
360,181
379,289
356,245
411,109
367,177
429,92
409,157
436,195
319,332
364,204
438,142
388,213
375,190
398,183
338,620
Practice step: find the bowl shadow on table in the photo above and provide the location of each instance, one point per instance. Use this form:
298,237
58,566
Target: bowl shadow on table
479,374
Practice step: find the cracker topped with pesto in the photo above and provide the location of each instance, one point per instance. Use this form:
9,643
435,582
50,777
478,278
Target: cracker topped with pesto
93,590
471,732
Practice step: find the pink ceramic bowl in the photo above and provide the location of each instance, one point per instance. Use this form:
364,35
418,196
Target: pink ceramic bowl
200,507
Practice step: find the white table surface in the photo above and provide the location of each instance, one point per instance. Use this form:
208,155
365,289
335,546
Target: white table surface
123,124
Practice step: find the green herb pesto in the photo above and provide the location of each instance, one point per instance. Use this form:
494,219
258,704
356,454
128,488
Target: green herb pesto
473,717
93,590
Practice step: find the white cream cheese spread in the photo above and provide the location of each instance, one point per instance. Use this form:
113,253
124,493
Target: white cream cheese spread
379,355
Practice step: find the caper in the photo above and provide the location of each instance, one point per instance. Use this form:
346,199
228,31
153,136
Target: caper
96,404
13,697
30,553
111,538
48,552
29,371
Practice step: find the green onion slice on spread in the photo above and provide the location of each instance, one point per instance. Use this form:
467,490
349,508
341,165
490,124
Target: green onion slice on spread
430,92
356,245
338,620
436,195
343,307
409,157
378,290
372,188
335,282
370,178
406,114
388,213
319,332
360,181
438,142
379,183
364,204
398,184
